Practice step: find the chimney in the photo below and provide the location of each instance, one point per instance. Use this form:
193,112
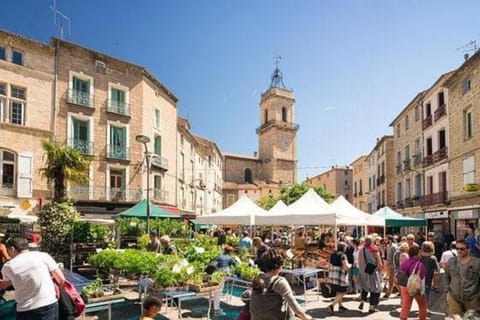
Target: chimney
255,154
466,56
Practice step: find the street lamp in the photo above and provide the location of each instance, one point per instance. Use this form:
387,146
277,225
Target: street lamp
144,139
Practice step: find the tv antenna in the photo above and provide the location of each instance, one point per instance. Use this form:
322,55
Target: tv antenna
61,19
277,59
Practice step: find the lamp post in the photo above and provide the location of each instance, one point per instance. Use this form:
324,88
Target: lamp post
144,139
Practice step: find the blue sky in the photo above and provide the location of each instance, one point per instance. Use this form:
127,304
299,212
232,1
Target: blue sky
353,64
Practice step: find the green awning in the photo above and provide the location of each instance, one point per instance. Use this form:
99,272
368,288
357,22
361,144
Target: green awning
140,211
200,226
396,219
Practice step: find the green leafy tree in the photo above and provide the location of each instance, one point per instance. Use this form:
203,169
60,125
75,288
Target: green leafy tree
64,164
56,220
292,193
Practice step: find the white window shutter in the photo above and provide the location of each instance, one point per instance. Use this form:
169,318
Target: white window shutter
468,170
24,180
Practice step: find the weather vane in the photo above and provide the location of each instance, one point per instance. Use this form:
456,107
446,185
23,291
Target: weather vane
277,60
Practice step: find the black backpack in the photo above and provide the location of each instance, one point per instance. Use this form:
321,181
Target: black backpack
212,266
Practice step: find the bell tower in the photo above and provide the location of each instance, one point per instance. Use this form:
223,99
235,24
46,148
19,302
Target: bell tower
277,134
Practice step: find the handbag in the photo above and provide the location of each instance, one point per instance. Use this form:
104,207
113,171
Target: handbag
414,283
369,267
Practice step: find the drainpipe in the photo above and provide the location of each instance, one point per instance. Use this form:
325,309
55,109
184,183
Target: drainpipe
54,98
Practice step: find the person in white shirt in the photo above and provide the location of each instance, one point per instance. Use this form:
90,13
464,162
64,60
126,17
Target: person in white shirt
31,274
446,255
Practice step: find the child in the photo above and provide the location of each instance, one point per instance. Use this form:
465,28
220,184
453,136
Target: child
245,313
151,306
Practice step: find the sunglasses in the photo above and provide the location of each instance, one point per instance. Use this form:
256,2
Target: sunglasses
461,248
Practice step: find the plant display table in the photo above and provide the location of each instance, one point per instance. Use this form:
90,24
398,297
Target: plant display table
102,305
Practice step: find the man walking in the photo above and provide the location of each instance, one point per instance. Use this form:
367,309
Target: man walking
391,248
31,274
463,276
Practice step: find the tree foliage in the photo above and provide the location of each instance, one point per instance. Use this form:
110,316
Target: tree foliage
292,193
56,221
64,164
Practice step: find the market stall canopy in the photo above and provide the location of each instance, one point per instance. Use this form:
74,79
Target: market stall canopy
310,209
140,211
347,214
278,207
242,212
390,218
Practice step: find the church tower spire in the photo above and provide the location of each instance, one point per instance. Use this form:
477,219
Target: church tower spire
277,134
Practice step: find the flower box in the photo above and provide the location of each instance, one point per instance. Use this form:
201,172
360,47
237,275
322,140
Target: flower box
204,287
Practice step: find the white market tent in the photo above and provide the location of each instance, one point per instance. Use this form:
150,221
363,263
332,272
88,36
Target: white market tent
310,209
278,207
242,212
347,214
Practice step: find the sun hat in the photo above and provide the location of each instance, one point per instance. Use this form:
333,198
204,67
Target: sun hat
403,246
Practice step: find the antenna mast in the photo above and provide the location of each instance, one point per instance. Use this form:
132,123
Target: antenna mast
61,19
470,46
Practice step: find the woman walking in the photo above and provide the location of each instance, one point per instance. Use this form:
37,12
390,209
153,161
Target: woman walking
410,266
430,262
370,265
338,276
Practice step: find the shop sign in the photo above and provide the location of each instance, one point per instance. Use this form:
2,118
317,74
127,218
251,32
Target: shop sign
436,215
465,214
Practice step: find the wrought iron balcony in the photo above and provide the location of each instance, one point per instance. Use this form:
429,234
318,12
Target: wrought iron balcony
160,195
159,162
118,107
440,112
281,124
440,154
118,152
85,147
435,198
406,165
399,168
80,98
427,122
428,160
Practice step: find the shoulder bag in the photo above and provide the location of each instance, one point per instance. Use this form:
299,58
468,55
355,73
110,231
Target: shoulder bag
369,267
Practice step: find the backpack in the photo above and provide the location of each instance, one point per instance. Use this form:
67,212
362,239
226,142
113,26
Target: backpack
269,305
70,303
212,266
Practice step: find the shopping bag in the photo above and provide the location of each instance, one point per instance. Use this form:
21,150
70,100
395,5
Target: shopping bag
414,284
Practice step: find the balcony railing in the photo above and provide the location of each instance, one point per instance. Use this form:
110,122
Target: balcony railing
105,193
80,98
118,152
427,122
282,124
85,147
428,160
440,112
440,154
417,160
160,195
118,107
400,204
435,198
406,165
412,201
159,162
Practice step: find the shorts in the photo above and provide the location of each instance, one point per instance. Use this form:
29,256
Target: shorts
355,271
338,289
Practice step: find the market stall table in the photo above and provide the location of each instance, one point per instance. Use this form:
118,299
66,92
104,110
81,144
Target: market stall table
101,305
232,282
301,275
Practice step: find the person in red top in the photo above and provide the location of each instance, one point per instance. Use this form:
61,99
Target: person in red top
4,257
411,265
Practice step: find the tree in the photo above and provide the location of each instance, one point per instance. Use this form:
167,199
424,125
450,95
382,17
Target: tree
292,193
64,164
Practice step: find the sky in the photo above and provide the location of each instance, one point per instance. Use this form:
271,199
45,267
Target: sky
353,65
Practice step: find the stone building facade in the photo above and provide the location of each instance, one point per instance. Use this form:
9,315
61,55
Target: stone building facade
102,105
464,147
27,89
408,150
337,181
275,164
360,179
381,175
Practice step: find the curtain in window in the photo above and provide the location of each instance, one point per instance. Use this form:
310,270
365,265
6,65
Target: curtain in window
118,98
118,142
158,146
80,133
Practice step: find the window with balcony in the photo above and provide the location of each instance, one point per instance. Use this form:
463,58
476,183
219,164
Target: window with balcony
418,186
80,136
118,102
80,92
117,184
441,99
469,170
182,166
408,188
157,145
17,57
468,123
399,162
3,55
117,148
